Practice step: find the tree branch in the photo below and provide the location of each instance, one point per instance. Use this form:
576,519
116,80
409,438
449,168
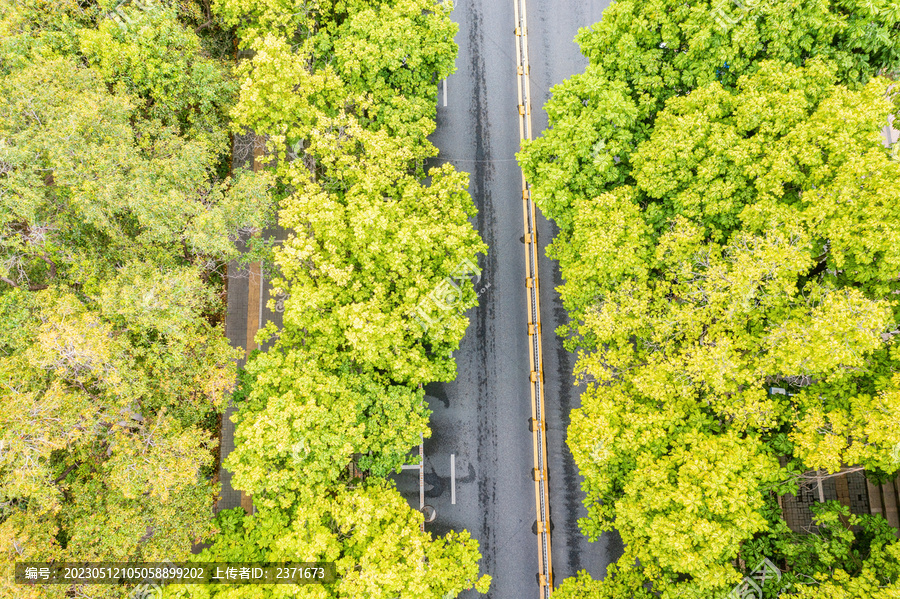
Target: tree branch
52,264
818,269
204,26
66,473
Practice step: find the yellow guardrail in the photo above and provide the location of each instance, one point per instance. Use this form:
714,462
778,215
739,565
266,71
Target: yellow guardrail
532,289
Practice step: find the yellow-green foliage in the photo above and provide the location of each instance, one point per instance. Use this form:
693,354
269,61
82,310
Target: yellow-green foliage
345,95
728,222
114,225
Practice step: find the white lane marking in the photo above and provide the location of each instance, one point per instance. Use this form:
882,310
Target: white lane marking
452,479
445,92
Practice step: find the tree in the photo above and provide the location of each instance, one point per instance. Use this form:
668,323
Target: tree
358,210
371,62
748,248
156,58
158,200
303,423
744,269
642,53
391,55
845,555
370,533
367,264
376,272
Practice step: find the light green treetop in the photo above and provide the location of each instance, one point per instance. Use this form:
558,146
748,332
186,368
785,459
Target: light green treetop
751,251
644,52
303,423
370,533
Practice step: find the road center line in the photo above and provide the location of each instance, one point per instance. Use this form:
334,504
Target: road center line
532,291
452,479
445,92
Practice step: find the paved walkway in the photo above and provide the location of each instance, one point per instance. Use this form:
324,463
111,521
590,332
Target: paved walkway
885,501
852,489
249,289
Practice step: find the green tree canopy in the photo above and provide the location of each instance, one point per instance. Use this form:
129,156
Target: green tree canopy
304,422
644,52
370,533
346,96
364,262
376,272
722,234
377,265
116,216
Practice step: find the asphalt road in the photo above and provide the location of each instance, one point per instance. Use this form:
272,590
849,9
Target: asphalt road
482,417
